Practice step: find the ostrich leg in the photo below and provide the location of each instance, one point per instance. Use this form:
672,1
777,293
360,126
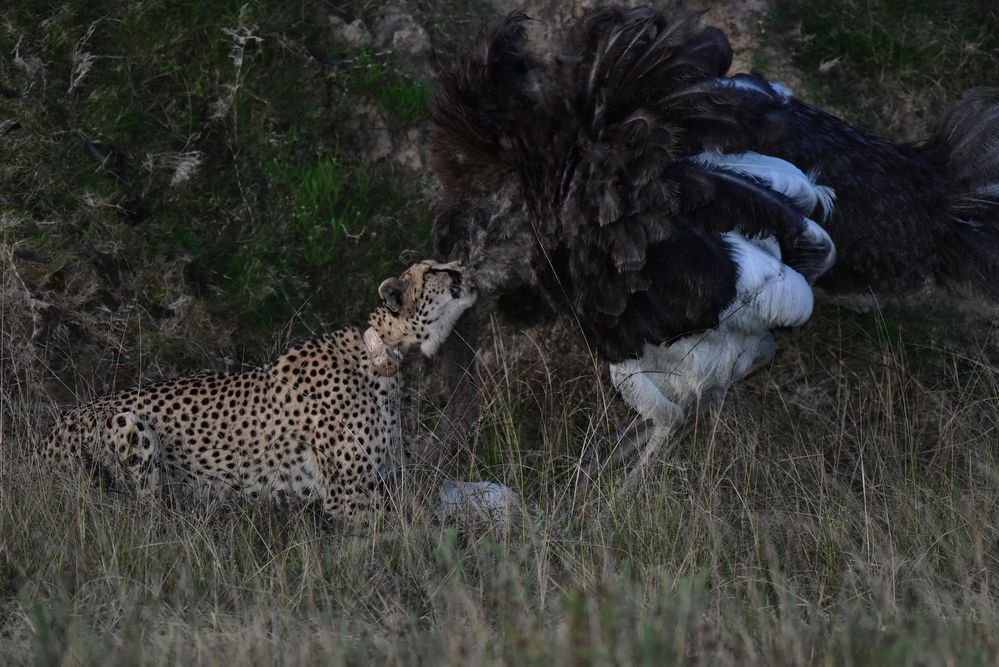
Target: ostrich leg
461,409
659,418
520,305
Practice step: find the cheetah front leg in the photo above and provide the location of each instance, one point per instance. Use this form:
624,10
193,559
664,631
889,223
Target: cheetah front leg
135,447
350,490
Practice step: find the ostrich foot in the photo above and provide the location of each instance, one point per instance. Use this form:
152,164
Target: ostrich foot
623,446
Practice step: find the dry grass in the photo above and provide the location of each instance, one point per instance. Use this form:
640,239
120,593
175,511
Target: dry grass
841,509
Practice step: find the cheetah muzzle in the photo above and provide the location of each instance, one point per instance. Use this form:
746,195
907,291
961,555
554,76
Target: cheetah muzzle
315,424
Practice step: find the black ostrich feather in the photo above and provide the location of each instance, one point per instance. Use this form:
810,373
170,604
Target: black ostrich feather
625,182
571,176
578,175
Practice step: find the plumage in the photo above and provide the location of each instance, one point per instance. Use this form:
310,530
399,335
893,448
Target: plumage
905,214
768,294
676,214
589,146
779,175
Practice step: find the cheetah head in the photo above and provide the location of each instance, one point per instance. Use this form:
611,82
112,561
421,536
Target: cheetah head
421,306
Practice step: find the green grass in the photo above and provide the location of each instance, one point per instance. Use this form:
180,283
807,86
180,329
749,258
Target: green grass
275,217
403,97
888,64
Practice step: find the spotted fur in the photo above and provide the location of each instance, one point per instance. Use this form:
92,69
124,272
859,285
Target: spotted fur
315,424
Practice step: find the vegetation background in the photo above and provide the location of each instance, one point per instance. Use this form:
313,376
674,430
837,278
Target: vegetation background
188,184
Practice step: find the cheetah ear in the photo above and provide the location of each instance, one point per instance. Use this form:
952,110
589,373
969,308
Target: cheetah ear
391,292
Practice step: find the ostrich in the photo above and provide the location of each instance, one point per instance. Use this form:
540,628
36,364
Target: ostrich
675,214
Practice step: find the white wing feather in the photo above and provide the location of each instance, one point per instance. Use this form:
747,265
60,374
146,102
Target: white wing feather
745,83
780,175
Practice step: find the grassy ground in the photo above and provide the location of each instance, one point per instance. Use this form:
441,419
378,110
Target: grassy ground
890,66
843,508
189,166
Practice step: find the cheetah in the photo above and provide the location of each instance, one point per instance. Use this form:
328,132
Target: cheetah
313,425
